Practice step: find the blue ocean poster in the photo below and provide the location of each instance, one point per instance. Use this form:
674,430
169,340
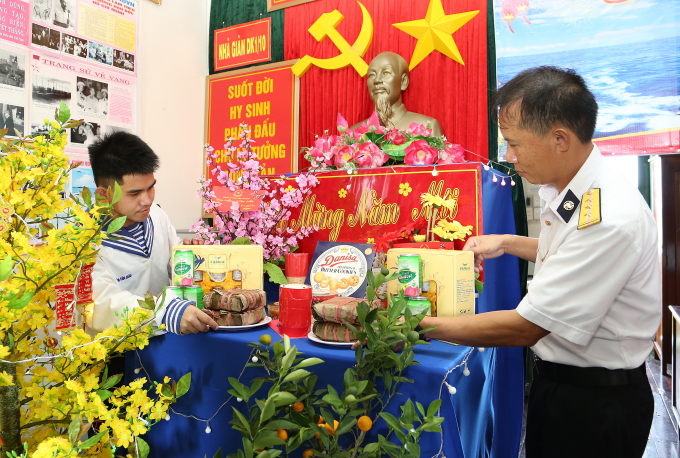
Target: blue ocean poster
627,51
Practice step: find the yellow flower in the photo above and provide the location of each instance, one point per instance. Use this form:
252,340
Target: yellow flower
370,240
405,189
430,200
4,351
342,193
290,188
451,230
6,379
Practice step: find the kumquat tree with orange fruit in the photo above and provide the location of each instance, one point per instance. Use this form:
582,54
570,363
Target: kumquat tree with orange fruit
284,411
54,385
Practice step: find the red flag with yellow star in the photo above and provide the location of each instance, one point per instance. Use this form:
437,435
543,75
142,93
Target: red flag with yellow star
443,41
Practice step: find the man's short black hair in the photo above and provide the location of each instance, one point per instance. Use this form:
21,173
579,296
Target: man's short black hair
118,154
548,97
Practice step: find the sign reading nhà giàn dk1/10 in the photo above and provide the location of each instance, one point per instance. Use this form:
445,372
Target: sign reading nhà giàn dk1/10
243,44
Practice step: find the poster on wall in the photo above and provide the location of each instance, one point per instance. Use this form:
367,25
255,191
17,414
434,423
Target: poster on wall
100,32
14,21
626,51
264,98
13,93
105,100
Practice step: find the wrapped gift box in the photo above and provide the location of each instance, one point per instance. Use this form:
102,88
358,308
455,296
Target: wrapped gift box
452,273
217,265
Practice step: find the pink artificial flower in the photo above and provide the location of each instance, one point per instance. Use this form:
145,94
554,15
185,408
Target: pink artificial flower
411,291
395,137
372,124
420,153
452,154
419,129
369,155
342,123
345,154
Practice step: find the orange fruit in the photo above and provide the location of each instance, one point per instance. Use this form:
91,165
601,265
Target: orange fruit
319,420
307,453
364,423
283,434
298,407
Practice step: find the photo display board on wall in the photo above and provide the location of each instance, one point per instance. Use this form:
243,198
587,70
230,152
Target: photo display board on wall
80,52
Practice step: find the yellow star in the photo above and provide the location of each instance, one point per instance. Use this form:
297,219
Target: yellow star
435,32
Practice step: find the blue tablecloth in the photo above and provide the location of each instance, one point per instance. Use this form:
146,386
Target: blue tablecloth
477,416
483,419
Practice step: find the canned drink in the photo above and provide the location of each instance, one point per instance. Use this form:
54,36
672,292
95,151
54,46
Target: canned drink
410,278
183,268
172,292
194,294
418,305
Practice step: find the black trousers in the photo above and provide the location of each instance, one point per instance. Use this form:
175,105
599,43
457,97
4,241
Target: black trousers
572,420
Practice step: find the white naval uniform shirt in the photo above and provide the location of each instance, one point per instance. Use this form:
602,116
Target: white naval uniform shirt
120,278
597,290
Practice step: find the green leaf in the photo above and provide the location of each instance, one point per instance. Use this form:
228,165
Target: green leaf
86,194
283,398
413,448
74,429
241,241
275,273
92,440
183,384
18,303
143,447
6,268
391,420
309,362
296,375
64,113
104,394
269,440
111,381
116,224
345,425
288,359
239,388
281,424
218,453
479,286
117,193
242,419
433,407
267,411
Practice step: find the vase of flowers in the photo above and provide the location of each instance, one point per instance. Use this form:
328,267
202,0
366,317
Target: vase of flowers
373,145
234,225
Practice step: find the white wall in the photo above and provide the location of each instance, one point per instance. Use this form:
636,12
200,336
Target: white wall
173,65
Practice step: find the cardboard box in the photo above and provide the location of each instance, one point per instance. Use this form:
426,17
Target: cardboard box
451,274
218,263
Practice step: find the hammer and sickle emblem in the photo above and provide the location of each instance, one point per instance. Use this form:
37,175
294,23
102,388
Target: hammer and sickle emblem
352,55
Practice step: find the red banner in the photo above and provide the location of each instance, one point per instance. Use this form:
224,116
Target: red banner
362,207
264,98
665,141
243,44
